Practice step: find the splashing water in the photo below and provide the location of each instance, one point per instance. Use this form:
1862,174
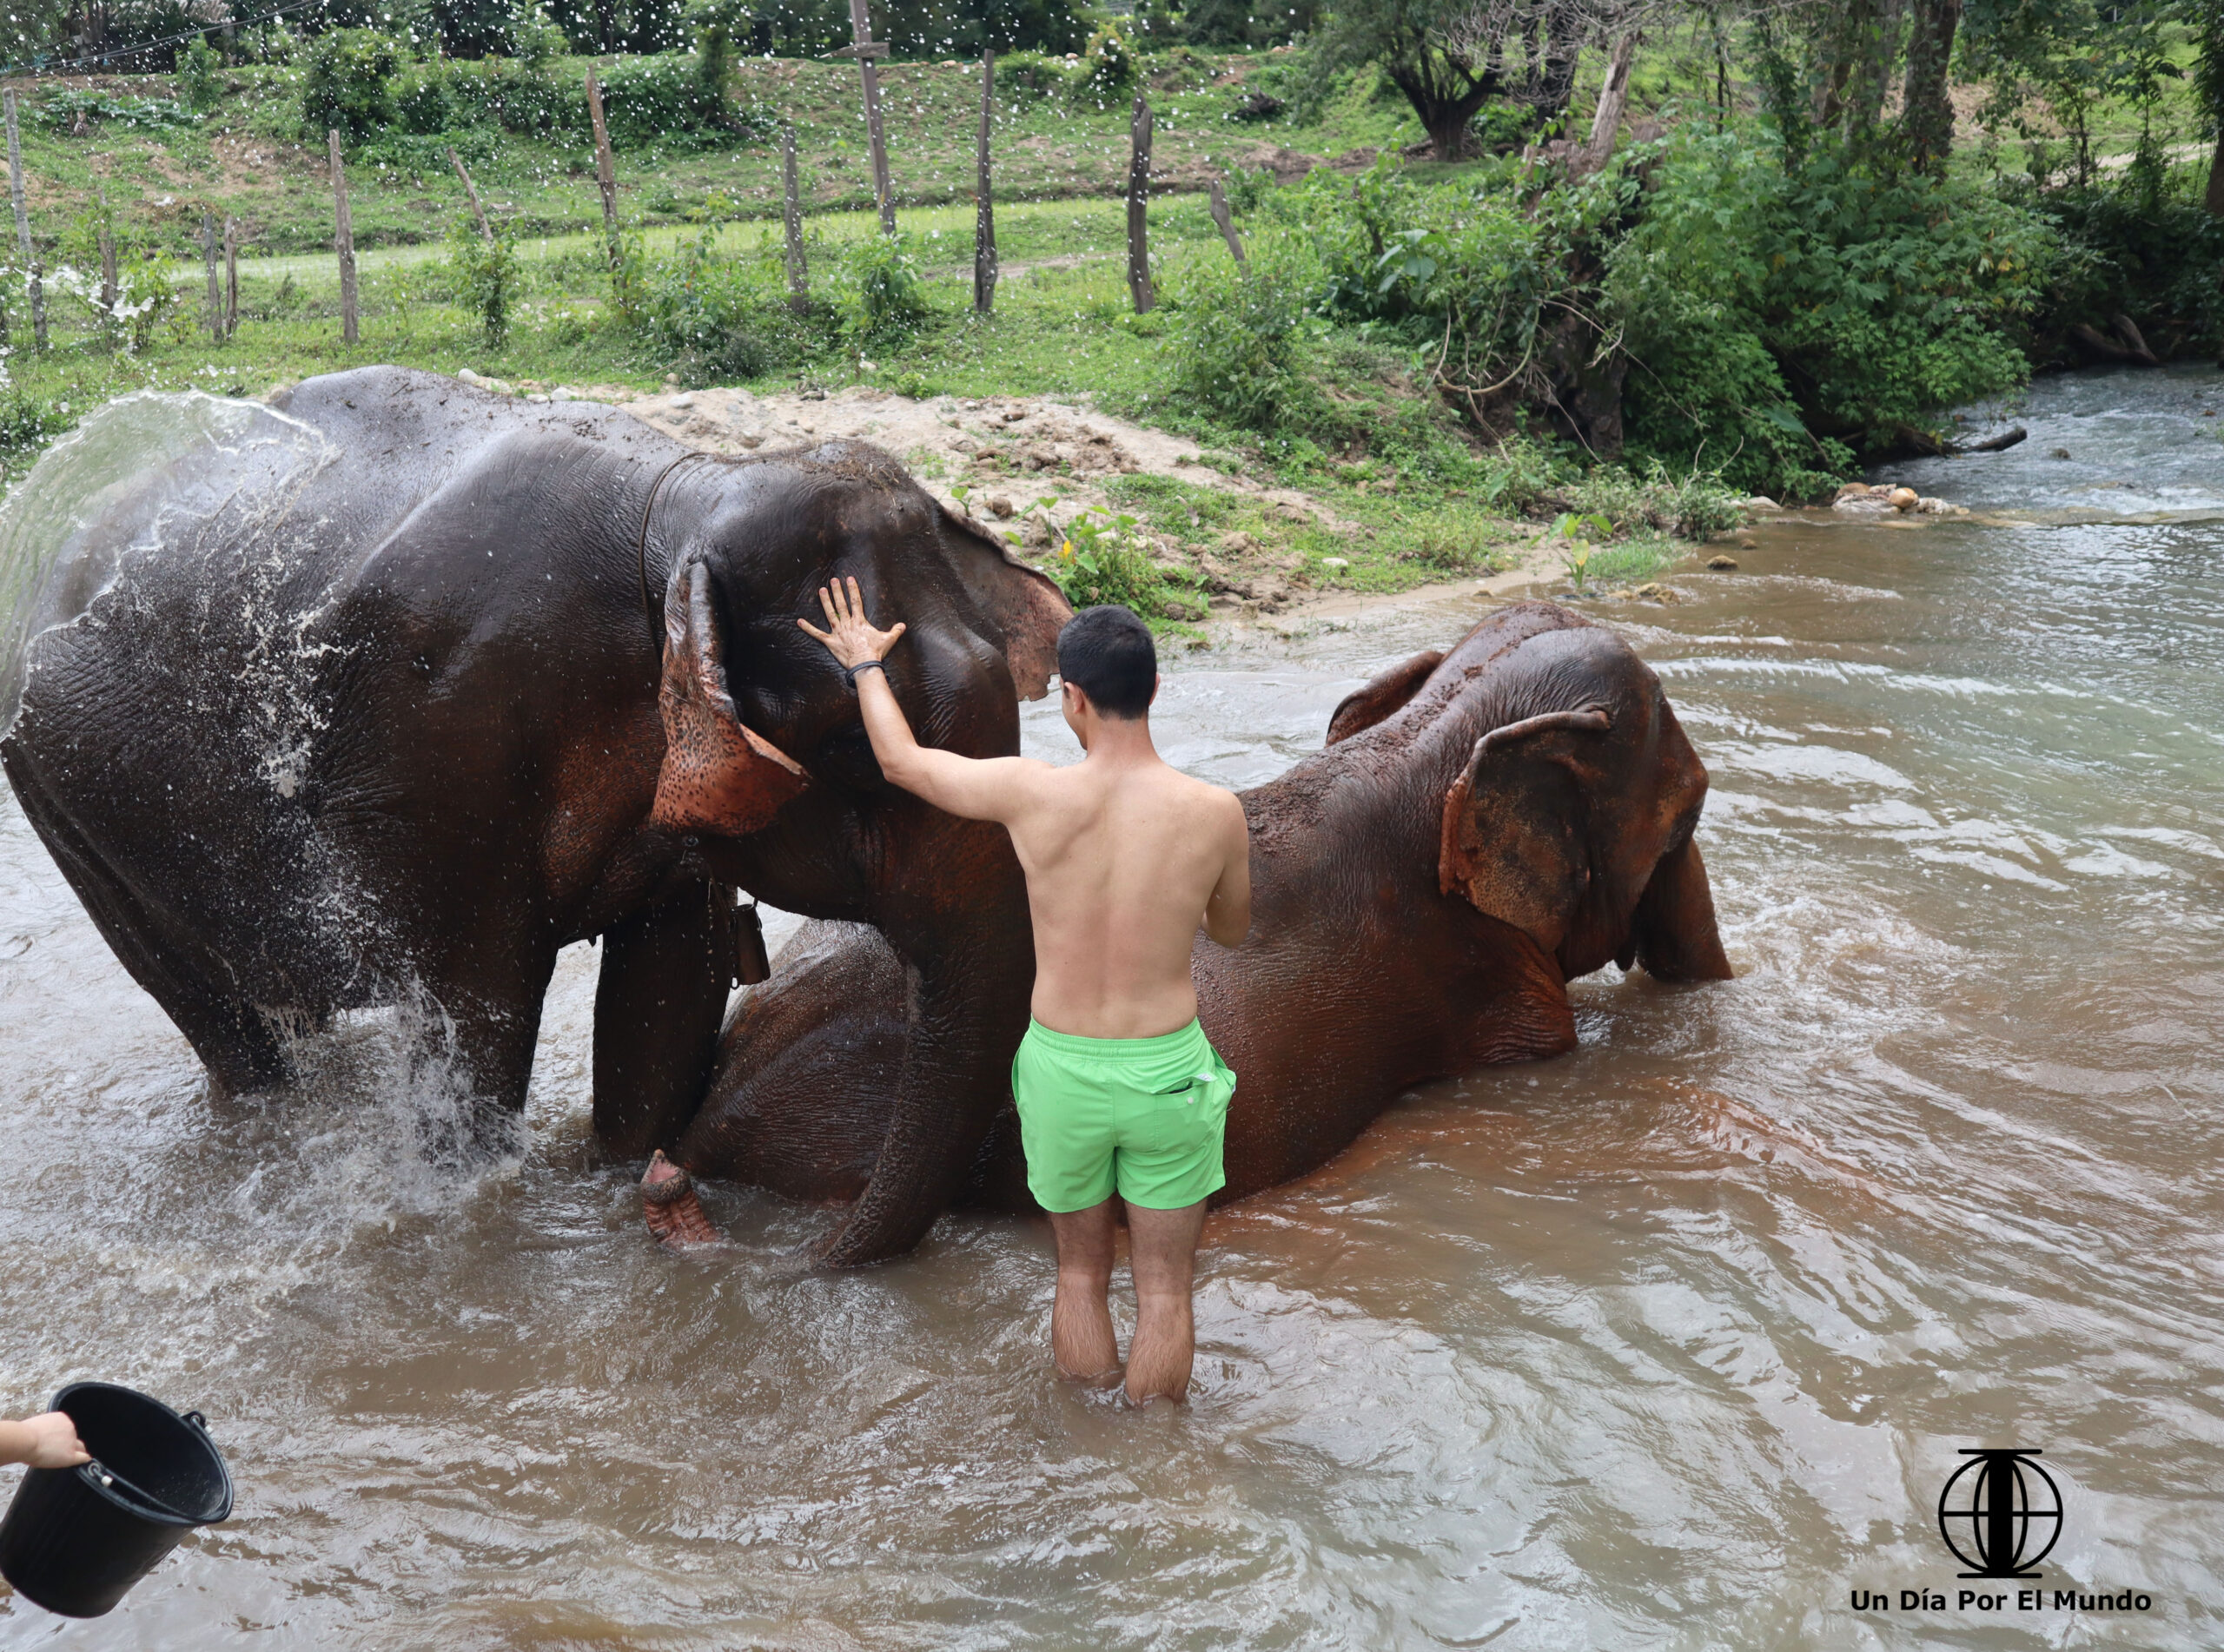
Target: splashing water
87,470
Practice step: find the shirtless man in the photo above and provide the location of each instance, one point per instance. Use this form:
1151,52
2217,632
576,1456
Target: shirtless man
1116,1086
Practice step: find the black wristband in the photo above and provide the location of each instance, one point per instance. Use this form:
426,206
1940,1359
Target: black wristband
851,672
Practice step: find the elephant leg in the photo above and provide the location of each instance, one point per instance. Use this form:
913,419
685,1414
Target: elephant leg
801,1095
242,1051
956,1076
658,1004
1674,927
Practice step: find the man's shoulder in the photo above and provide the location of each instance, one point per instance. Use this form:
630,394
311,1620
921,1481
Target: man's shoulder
1209,803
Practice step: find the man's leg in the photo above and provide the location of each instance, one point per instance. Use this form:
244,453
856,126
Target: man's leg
1080,1320
1162,1248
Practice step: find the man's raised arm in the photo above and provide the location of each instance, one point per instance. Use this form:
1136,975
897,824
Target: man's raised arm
975,788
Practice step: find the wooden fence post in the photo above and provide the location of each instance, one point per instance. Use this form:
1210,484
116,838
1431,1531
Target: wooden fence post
984,215
231,276
605,167
471,193
1226,220
215,293
864,48
798,275
1138,203
344,240
23,224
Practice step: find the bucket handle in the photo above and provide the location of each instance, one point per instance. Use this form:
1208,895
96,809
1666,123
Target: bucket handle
197,1420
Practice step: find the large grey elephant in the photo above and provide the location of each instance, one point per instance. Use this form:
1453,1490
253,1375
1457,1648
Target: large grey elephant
392,689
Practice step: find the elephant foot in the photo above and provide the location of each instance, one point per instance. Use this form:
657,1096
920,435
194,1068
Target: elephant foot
673,1212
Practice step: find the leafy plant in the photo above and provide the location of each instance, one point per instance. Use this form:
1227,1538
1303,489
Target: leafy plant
60,109
200,76
1109,67
1784,316
881,293
484,274
1575,532
1101,559
1239,349
348,86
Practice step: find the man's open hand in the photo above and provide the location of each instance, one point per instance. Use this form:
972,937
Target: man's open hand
852,637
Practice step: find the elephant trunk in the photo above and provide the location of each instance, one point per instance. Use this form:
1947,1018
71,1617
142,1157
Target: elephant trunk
968,966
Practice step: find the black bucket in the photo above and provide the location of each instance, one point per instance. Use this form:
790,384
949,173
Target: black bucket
76,1540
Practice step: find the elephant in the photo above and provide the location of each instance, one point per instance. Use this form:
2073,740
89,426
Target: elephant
475,679
1483,826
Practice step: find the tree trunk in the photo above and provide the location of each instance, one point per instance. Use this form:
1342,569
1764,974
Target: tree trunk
1927,114
2215,199
344,240
985,208
1444,117
1875,51
791,215
1139,282
1613,98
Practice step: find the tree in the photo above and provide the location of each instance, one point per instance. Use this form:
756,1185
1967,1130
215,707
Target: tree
1926,113
1450,57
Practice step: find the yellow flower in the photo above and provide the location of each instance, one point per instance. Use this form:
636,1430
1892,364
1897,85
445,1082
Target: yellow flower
1066,549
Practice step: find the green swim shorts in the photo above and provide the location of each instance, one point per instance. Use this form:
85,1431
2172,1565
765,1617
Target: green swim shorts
1143,1114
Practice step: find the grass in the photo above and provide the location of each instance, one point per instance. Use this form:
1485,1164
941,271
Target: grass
250,160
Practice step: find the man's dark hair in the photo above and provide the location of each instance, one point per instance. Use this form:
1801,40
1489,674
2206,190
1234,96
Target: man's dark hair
1107,653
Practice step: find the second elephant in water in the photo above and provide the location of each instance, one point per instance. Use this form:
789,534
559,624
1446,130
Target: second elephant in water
1483,826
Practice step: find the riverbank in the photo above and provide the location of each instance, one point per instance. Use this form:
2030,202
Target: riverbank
1237,544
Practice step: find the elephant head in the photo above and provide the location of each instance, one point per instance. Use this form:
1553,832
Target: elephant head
1574,793
769,783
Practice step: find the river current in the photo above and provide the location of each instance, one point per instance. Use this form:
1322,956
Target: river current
1672,1342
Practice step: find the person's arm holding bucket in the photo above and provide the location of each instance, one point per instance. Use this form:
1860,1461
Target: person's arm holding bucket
46,1441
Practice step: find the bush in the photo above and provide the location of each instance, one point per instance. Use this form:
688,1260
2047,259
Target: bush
667,100
1786,316
200,76
1108,69
484,275
715,317
1030,76
1239,346
349,83
882,296
426,103
1101,558
2154,253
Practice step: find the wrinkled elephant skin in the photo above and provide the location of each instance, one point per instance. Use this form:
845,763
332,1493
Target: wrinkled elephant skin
503,677
1484,826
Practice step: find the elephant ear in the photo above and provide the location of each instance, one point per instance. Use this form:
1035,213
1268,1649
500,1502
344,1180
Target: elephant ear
1514,823
1027,608
1365,707
718,776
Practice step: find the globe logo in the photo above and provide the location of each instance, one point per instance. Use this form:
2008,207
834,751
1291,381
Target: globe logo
2000,1513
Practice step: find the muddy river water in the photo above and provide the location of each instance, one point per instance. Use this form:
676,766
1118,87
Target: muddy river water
1670,1343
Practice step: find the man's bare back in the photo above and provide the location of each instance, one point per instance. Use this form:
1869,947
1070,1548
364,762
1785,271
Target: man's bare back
1117,1087
1122,854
